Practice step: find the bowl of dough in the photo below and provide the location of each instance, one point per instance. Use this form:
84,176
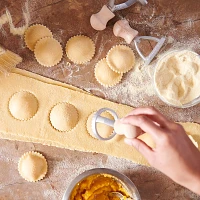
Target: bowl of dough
177,78
100,184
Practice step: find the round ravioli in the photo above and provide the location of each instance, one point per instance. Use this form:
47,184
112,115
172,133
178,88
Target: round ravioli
64,117
48,52
104,130
105,75
32,166
35,33
23,105
80,49
121,58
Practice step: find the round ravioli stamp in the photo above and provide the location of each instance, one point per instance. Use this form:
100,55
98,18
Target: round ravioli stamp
35,33
104,130
121,58
80,49
23,105
48,52
105,75
64,117
32,166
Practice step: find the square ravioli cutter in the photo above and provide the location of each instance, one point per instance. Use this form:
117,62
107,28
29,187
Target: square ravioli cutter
99,20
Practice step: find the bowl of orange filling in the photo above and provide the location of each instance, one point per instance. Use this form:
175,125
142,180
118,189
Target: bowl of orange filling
99,184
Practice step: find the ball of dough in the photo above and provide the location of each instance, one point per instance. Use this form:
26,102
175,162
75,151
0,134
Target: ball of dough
35,33
105,76
104,130
32,166
128,130
48,52
121,59
23,105
64,117
80,49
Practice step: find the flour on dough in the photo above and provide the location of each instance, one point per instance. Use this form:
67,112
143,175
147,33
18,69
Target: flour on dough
48,52
23,105
64,117
35,33
104,130
32,166
121,58
177,77
106,76
80,49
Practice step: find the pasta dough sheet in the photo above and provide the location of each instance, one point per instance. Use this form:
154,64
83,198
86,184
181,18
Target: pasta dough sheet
39,129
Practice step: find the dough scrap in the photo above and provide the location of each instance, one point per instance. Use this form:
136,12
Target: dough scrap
177,77
23,105
80,49
35,33
103,130
106,76
121,58
32,166
64,117
48,52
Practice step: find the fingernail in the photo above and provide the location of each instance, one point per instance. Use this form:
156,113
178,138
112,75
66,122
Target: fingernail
128,141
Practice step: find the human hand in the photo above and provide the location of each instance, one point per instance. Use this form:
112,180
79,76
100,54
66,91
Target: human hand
174,155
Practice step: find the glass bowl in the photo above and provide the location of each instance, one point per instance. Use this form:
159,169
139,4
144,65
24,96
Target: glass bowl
187,105
124,180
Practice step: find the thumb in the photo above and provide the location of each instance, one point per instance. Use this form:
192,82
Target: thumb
141,146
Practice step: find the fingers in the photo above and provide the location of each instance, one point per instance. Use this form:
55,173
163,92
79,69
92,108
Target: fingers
146,124
141,146
153,114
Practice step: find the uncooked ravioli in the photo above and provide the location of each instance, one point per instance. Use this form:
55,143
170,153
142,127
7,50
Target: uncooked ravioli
23,105
32,166
104,130
80,49
64,117
121,58
48,52
105,76
35,33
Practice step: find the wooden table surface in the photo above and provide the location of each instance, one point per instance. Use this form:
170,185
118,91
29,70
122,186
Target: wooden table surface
178,21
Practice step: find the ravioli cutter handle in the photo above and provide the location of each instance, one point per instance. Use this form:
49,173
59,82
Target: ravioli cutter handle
99,20
106,121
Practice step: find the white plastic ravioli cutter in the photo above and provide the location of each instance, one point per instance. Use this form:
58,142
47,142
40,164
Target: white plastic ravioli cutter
122,29
99,20
119,128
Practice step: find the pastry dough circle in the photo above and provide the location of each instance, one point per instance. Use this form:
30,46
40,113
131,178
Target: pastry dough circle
48,52
64,117
121,58
32,166
104,130
106,76
80,49
23,105
35,33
